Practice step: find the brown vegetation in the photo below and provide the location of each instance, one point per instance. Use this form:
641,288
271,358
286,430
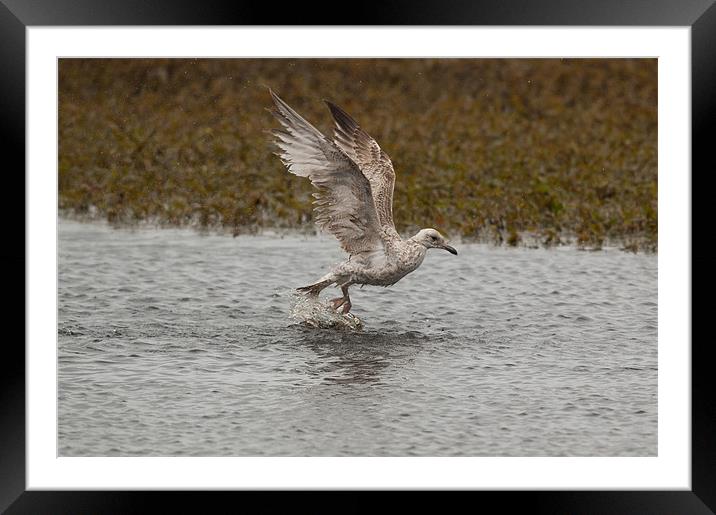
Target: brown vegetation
505,150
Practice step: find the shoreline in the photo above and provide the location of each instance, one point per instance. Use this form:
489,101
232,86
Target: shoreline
308,230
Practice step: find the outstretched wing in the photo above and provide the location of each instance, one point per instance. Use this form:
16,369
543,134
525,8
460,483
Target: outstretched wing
344,204
373,162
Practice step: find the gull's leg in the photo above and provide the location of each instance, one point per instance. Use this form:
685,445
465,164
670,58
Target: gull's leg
342,304
347,302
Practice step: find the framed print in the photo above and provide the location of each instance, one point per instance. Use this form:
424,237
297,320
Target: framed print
511,186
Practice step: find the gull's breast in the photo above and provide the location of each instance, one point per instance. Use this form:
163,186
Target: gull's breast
394,268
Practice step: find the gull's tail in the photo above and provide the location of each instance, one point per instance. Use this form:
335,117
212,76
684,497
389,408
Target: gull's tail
315,288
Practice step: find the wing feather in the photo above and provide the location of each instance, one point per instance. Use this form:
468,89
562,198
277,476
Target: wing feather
372,161
344,203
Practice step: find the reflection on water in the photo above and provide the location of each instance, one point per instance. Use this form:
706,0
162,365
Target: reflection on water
355,358
175,343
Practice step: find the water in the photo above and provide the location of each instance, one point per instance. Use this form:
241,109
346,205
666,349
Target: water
175,343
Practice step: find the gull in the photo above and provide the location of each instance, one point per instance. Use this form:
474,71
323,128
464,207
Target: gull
354,201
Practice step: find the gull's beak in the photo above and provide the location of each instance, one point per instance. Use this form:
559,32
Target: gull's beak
450,249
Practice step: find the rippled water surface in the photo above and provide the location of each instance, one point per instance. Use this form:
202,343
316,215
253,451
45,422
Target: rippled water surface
176,343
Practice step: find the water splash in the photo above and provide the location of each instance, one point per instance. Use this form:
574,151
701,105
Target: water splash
314,312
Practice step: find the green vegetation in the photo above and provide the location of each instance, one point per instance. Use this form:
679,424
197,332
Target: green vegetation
513,151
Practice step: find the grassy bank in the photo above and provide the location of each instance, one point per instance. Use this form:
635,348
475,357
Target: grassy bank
507,151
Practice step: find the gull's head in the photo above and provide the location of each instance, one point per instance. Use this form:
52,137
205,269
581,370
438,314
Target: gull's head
432,239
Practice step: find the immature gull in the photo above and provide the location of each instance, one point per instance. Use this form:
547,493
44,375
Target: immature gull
354,202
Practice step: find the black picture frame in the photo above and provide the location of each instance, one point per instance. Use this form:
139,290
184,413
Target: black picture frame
17,15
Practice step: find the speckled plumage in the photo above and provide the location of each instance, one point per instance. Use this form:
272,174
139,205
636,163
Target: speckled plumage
354,202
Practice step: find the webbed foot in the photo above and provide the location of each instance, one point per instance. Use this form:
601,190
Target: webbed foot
341,304
337,303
